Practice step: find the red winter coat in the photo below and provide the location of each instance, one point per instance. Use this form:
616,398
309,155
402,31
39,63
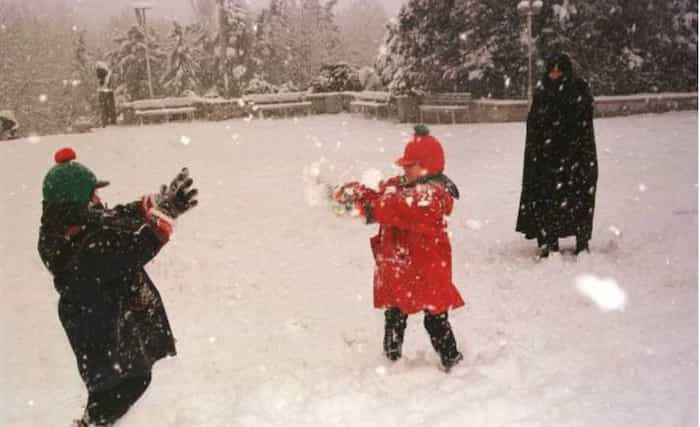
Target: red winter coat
412,249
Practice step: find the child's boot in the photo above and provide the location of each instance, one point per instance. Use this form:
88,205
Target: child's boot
394,328
442,339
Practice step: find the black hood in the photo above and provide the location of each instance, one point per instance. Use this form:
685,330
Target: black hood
563,62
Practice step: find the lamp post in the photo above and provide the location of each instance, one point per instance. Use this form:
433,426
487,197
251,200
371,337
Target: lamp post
140,9
529,8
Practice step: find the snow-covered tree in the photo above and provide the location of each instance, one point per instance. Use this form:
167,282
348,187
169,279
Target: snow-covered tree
128,62
232,47
620,46
184,71
337,78
294,38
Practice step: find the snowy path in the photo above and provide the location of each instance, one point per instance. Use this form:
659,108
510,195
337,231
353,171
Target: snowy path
270,296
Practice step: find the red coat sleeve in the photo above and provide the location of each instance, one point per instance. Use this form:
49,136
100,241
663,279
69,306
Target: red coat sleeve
421,209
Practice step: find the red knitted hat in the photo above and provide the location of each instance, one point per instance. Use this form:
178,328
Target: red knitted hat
426,151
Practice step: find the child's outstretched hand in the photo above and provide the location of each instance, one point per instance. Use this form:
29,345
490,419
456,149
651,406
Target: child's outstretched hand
349,199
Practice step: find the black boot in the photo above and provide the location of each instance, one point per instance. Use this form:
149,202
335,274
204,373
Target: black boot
581,245
546,247
442,339
394,328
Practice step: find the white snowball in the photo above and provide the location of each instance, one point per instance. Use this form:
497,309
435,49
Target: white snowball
605,293
371,178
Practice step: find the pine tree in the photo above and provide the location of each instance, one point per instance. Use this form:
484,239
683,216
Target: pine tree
233,61
128,62
295,38
183,72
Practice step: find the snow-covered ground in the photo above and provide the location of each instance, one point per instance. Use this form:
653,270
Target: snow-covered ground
269,293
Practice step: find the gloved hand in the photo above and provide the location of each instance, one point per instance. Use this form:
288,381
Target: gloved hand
178,197
161,209
348,198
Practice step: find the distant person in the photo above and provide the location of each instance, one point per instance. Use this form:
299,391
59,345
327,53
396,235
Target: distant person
412,251
108,109
9,126
560,171
110,309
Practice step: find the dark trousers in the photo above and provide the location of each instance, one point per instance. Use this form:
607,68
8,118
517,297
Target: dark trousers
107,406
437,326
108,109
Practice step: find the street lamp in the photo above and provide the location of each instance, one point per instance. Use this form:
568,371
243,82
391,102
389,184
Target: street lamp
529,8
140,9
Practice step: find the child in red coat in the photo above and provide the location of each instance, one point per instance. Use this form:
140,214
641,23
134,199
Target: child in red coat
412,249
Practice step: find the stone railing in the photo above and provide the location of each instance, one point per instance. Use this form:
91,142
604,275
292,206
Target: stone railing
479,111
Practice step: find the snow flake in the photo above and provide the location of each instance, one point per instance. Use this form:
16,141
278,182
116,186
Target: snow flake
212,340
614,230
381,371
75,28
43,98
30,403
474,224
642,188
463,36
241,102
559,185
185,140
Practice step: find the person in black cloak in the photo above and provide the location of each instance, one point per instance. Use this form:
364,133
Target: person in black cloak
110,309
108,109
560,171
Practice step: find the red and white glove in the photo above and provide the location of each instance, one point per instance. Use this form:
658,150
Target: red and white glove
160,221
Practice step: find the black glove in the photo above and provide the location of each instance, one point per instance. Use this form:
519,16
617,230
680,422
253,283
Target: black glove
179,197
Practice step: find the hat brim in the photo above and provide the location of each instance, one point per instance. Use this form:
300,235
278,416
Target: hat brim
101,184
405,162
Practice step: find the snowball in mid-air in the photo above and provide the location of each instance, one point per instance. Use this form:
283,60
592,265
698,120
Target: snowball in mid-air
371,178
605,293
474,224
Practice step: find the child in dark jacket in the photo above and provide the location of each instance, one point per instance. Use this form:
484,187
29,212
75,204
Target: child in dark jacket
412,249
110,309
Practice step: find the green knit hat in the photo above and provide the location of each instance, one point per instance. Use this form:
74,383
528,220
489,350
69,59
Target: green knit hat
421,130
69,181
